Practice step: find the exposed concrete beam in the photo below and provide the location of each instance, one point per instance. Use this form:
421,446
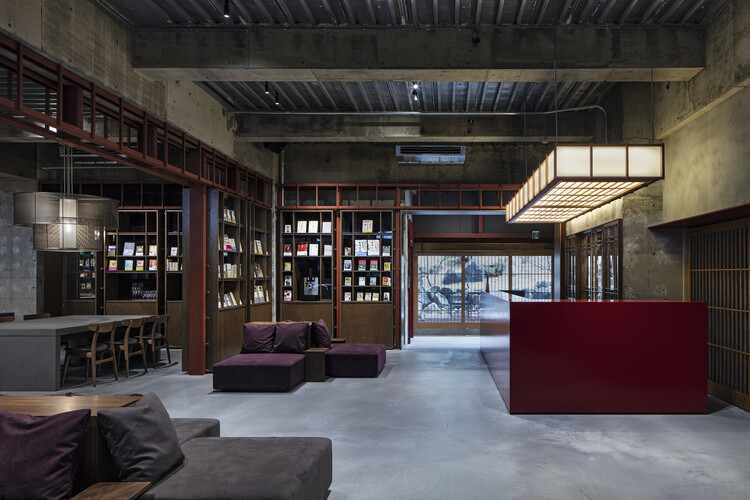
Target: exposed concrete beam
316,128
511,54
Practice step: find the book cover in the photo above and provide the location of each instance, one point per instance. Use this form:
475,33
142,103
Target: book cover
173,252
347,296
386,250
386,296
386,281
367,226
111,250
360,296
302,248
373,280
258,247
313,249
112,265
139,250
347,251
152,264
387,265
287,229
373,247
287,295
128,248
287,281
347,264
232,300
368,296
360,247
327,250
348,281
152,250
128,265
287,264
301,226
139,264
361,281
259,271
375,296
361,265
312,226
326,227
373,264
288,251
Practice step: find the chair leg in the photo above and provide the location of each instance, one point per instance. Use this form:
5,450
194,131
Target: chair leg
169,356
143,355
114,363
65,368
127,362
93,369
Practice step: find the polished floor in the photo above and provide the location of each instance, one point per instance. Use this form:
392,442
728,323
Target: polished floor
433,426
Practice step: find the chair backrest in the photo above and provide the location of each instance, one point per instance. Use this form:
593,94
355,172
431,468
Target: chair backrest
134,327
102,329
27,317
161,324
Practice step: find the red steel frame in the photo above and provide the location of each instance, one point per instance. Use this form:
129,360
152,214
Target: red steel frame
79,113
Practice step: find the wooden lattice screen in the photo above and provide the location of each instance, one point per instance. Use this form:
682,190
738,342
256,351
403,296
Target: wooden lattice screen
718,274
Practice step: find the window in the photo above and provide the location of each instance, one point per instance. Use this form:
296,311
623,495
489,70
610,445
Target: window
594,260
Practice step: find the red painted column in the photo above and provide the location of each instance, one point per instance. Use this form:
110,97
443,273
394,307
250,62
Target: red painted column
197,288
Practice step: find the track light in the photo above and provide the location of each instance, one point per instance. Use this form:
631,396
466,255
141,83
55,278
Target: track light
265,88
226,9
415,95
277,102
415,85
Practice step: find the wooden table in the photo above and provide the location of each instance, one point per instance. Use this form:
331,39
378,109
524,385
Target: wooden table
96,462
315,364
30,350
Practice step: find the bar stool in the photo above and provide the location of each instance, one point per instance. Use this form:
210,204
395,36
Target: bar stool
98,353
157,339
132,344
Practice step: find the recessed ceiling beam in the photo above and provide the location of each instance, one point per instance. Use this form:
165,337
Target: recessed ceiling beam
444,54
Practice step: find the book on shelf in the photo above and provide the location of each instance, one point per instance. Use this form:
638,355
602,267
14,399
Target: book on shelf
386,250
287,266
360,296
265,295
347,264
313,250
226,214
386,296
312,226
375,296
367,226
232,217
362,265
152,250
230,244
258,293
226,302
128,248
128,265
302,248
259,271
152,264
361,281
287,295
112,265
373,281
139,264
386,265
368,296
173,251
373,264
347,281
386,281
138,250
111,250
232,300
326,227
173,265
288,250
287,229
347,251
373,247
327,250
301,226
360,247
258,247
288,280
347,296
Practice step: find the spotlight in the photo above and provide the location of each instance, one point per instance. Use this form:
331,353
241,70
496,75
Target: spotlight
265,88
415,85
226,9
277,102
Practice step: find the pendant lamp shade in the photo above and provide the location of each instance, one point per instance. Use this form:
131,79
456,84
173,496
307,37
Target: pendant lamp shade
66,222
575,179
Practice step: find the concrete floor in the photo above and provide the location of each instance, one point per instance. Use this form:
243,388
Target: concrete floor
433,426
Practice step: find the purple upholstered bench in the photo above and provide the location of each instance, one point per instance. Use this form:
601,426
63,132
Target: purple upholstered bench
266,372
355,360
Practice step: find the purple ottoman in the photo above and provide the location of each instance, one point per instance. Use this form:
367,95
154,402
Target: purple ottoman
260,372
355,360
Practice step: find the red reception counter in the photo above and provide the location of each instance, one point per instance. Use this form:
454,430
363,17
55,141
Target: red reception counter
565,356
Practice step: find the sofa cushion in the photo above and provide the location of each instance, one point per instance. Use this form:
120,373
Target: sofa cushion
321,337
191,428
290,338
39,455
355,360
262,372
257,337
293,468
141,439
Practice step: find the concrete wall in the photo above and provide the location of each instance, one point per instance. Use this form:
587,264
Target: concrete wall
20,269
376,163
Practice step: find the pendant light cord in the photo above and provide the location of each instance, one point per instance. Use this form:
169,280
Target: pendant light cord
652,84
554,70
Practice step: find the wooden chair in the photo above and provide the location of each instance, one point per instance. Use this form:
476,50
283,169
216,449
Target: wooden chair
157,339
99,352
27,317
132,344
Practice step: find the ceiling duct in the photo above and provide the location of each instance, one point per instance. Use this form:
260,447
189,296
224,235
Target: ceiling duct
430,155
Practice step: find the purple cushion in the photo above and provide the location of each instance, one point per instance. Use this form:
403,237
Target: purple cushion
290,338
267,372
321,337
257,338
355,360
39,455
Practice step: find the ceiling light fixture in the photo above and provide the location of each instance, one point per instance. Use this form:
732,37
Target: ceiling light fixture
575,179
265,88
415,85
276,101
415,95
226,9
66,222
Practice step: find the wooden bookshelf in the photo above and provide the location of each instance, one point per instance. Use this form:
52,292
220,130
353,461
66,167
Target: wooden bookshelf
172,269
261,290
